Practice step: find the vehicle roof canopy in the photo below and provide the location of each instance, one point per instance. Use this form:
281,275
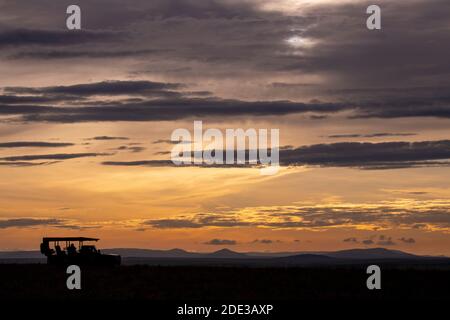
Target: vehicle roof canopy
68,239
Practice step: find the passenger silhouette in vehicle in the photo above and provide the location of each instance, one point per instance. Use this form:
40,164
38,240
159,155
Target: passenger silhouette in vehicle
71,250
59,252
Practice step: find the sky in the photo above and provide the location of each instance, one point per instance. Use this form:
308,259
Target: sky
86,118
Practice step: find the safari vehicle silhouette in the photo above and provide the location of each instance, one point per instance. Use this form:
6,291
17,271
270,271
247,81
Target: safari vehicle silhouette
85,255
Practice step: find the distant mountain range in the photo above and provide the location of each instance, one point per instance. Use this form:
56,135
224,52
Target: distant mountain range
352,254
374,253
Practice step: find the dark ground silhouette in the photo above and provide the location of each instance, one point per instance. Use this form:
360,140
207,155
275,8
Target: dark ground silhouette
206,283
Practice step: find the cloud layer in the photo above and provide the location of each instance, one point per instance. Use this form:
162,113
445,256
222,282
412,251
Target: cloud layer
400,71
375,156
408,214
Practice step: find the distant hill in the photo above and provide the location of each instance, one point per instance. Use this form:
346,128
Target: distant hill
256,254
302,259
225,254
148,253
180,256
372,253
174,253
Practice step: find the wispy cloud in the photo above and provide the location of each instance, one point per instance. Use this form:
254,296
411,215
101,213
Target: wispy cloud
371,135
106,138
99,88
265,241
45,222
407,240
60,156
431,215
34,144
220,242
26,163
28,222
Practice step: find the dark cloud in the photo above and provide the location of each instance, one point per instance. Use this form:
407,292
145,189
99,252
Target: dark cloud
162,153
221,35
369,155
25,163
405,109
60,156
264,241
28,222
98,88
394,55
202,10
220,242
407,240
136,149
166,101
371,135
108,138
146,163
34,37
233,31
12,99
133,149
172,224
96,54
167,141
293,85
165,109
121,148
76,227
380,240
41,222
23,109
34,144
375,156
199,222
385,241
